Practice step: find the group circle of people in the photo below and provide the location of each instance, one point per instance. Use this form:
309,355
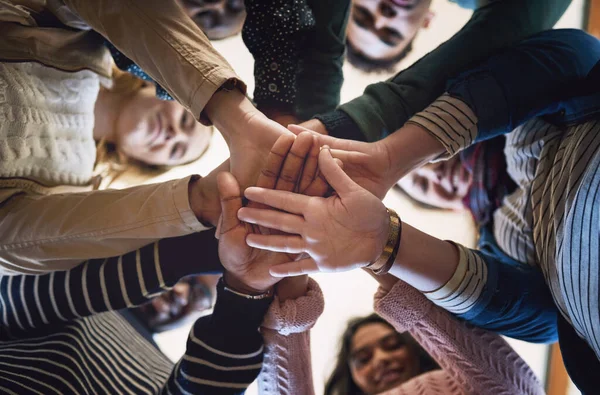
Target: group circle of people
500,120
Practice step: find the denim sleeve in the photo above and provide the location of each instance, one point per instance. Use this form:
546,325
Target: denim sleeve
515,302
492,291
533,78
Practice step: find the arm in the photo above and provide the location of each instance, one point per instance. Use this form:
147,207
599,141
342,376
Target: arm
31,303
160,38
533,78
224,352
287,367
57,232
479,361
386,106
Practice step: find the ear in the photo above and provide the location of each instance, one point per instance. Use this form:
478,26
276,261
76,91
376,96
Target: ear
428,18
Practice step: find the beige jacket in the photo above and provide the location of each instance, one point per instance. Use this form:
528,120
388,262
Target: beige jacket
42,231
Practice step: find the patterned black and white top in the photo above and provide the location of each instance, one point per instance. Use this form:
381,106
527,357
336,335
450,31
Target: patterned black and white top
59,333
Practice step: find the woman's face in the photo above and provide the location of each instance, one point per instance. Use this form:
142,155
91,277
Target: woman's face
441,184
380,360
382,29
159,132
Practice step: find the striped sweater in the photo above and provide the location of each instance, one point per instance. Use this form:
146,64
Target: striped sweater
59,332
551,221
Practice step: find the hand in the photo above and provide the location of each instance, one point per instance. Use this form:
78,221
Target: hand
248,133
345,231
368,164
248,268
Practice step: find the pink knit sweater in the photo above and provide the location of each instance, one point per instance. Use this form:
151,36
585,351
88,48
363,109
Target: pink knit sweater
474,361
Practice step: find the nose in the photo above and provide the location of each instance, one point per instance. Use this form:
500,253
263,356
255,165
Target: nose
380,358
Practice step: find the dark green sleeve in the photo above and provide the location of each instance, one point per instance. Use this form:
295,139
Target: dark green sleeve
386,106
320,76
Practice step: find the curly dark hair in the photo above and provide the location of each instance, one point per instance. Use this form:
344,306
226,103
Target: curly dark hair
341,383
369,65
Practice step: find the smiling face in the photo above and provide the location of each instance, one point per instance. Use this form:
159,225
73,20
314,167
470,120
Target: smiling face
380,360
441,184
158,132
218,19
382,29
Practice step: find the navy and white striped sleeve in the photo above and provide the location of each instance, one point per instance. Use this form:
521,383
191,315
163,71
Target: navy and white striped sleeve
29,303
224,352
536,77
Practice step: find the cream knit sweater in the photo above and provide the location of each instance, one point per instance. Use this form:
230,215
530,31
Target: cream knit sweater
46,123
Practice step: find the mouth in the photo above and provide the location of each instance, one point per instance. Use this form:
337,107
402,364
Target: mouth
391,376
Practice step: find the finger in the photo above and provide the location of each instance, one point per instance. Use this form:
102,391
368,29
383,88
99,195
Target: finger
283,200
289,223
319,186
268,174
231,201
298,268
294,161
334,174
297,129
277,243
311,165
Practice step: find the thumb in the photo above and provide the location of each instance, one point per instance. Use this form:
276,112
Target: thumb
334,174
231,201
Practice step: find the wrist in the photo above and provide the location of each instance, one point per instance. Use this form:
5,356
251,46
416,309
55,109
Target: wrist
412,146
236,283
229,111
204,201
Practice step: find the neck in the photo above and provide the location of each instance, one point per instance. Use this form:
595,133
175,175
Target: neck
106,114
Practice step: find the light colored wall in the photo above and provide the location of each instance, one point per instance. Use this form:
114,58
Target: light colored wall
350,294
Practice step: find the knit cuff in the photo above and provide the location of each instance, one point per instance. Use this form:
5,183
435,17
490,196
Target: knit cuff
296,315
340,125
403,306
451,121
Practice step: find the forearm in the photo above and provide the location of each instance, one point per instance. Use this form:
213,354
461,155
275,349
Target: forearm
386,106
287,367
58,232
100,285
507,298
467,354
224,352
160,38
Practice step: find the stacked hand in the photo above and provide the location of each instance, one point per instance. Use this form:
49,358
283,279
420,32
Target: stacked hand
345,231
291,165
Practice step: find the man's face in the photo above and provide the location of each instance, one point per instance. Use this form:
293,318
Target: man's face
382,29
218,19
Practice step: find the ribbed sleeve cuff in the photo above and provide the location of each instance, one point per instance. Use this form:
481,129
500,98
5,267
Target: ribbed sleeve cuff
466,285
340,125
296,315
451,121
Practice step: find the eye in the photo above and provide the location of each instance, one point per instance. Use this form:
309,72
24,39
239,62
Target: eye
187,121
391,343
360,359
177,151
363,17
